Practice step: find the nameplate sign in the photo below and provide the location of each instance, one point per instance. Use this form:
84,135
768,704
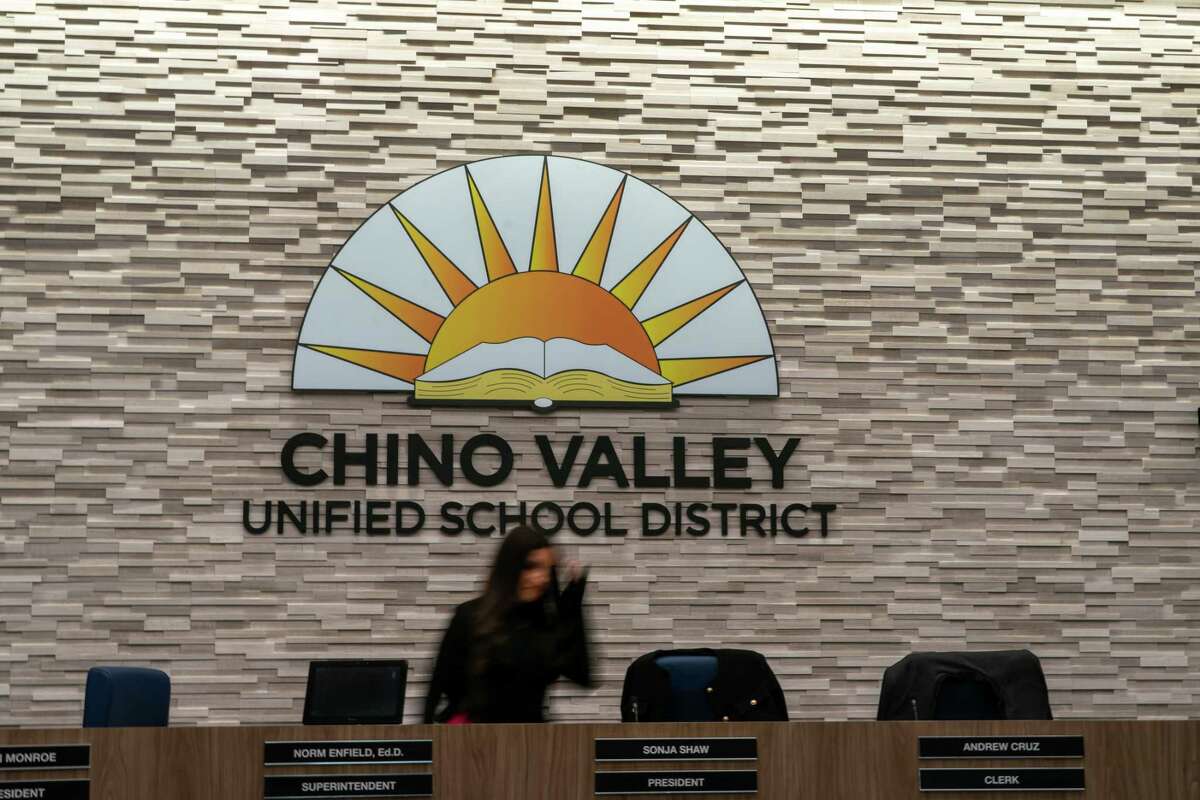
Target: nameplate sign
674,749
44,790
1000,747
397,751
706,782
1031,779
295,787
38,757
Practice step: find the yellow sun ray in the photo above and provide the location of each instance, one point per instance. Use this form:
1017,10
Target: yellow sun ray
591,263
405,366
630,288
680,371
454,283
544,254
660,326
422,321
495,254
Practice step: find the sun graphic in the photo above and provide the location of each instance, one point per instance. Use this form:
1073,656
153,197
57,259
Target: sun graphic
535,280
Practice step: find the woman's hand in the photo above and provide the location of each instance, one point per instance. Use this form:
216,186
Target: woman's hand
571,599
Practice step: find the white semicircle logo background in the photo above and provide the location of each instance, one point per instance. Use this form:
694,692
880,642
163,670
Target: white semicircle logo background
384,300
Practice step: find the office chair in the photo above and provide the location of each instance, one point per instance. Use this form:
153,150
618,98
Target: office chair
701,685
999,684
125,697
690,676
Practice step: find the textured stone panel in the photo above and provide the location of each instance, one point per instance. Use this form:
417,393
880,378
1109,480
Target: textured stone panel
972,227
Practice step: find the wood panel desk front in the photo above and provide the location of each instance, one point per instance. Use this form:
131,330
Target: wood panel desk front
1134,760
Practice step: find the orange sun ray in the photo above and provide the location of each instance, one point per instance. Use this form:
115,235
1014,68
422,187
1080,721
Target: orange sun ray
495,254
422,321
661,326
405,366
685,370
454,283
591,263
630,288
544,254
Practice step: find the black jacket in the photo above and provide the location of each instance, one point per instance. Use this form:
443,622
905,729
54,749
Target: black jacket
744,689
542,641
910,686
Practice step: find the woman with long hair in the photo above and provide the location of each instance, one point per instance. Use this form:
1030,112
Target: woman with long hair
503,649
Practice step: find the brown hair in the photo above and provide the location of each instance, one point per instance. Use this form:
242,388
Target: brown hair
500,595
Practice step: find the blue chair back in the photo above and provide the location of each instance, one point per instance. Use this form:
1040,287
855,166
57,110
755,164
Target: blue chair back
690,678
122,697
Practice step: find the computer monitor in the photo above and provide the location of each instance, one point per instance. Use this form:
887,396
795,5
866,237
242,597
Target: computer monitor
355,692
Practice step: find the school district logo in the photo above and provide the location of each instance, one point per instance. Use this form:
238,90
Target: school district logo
538,281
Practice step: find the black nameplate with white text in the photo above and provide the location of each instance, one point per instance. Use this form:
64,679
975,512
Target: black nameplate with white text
1002,779
44,790
697,782
295,787
39,757
1000,747
677,749
374,751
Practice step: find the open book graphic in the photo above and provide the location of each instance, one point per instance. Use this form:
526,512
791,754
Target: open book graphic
529,369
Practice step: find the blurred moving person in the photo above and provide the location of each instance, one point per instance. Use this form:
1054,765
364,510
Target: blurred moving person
503,649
